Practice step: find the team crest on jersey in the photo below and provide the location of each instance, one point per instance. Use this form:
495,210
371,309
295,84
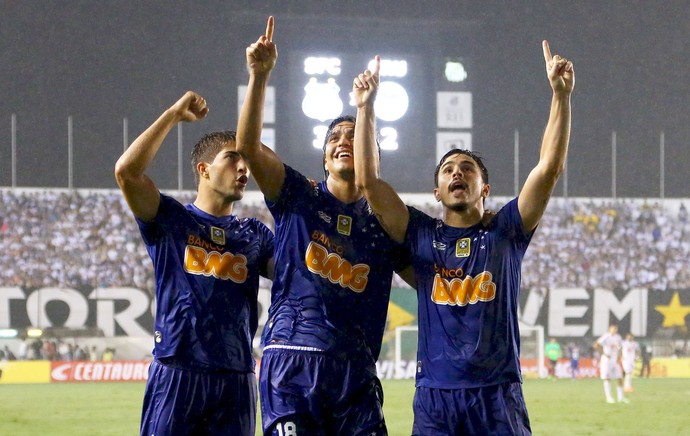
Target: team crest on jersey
462,247
218,235
344,225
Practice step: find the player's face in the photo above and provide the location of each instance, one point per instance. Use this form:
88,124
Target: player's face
339,158
460,184
228,173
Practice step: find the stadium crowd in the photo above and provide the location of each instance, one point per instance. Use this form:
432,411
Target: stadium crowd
77,239
55,350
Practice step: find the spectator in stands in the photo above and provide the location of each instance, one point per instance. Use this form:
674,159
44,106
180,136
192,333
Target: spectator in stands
37,349
108,354
616,254
81,353
9,355
24,349
93,354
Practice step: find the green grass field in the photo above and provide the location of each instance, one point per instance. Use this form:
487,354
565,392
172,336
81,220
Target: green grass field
563,407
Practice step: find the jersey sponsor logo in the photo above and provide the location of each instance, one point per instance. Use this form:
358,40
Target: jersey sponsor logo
452,273
218,235
225,266
336,269
324,216
324,240
344,225
463,291
197,241
439,245
462,247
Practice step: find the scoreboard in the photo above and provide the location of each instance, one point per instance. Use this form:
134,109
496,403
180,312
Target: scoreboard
423,106
326,94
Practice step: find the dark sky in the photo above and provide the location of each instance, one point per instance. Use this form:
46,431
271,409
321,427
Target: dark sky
102,61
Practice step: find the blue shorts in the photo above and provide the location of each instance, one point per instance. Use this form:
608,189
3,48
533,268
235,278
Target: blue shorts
181,401
498,409
306,392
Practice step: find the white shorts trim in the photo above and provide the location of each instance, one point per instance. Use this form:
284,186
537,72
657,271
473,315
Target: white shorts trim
292,347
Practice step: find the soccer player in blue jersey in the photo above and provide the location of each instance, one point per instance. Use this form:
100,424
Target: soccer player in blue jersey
334,265
467,270
207,263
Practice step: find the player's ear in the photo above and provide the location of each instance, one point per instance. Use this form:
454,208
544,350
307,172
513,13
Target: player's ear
486,190
202,169
436,195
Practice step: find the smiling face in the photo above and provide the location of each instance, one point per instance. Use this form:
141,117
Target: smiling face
460,183
339,149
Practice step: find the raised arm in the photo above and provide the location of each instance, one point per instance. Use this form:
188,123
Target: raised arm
536,192
139,190
387,205
264,164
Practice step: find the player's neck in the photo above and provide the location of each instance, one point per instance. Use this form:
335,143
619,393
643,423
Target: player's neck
344,190
463,218
214,205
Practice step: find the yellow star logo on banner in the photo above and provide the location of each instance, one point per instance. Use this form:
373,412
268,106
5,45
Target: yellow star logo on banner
674,313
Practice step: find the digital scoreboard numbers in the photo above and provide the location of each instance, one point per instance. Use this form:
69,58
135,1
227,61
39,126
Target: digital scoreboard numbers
328,94
320,89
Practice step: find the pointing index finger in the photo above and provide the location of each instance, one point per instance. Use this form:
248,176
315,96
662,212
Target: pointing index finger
377,65
547,51
269,29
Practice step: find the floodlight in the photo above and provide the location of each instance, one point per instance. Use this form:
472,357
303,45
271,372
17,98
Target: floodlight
455,71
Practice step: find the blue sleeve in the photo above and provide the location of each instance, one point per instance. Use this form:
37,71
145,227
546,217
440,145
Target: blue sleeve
295,193
418,222
267,247
166,218
509,219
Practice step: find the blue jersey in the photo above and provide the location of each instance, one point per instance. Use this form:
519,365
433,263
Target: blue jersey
207,278
333,269
468,281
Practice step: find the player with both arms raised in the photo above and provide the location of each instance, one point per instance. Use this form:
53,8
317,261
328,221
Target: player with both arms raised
468,373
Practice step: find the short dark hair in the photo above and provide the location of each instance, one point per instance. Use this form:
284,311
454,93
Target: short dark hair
329,132
206,149
474,156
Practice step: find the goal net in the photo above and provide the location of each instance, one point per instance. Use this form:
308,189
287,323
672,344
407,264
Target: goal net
531,349
405,344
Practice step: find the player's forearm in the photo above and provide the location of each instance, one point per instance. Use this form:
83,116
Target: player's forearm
365,149
387,205
250,121
138,156
554,147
